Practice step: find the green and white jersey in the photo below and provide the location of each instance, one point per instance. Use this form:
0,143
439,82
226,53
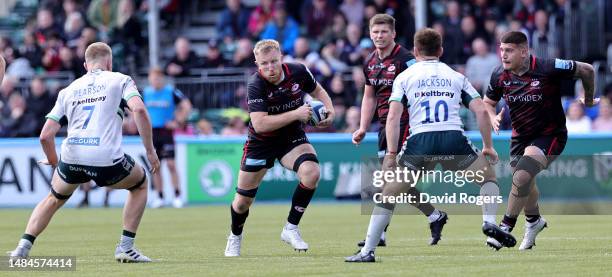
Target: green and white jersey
92,105
434,92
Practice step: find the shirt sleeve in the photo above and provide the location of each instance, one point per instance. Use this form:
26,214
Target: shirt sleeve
398,90
57,113
310,84
129,89
494,92
468,92
256,98
178,96
559,68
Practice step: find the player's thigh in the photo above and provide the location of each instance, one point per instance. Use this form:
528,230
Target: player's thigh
62,187
289,159
134,179
250,180
537,154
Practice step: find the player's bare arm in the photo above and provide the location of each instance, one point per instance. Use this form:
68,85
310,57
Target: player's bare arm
47,140
368,107
321,94
264,122
586,73
483,113
143,123
392,131
490,105
2,68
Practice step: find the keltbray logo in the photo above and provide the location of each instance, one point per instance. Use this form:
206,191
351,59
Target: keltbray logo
216,178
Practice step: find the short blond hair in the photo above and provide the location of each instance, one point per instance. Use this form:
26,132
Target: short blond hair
265,46
383,19
97,51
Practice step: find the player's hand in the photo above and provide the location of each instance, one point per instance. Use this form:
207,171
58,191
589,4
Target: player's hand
303,113
46,162
491,155
589,103
497,120
153,161
329,119
390,161
358,136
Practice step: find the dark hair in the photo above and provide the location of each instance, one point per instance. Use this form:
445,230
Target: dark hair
514,37
428,41
383,18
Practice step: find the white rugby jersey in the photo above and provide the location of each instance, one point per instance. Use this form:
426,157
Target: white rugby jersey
435,93
92,106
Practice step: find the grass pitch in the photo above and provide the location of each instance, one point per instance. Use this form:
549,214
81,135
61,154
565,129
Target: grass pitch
191,241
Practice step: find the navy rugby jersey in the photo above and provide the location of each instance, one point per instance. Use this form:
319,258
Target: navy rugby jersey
381,73
534,98
264,96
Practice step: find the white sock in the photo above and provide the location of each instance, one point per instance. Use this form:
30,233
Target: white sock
434,216
24,243
290,226
126,243
489,209
379,220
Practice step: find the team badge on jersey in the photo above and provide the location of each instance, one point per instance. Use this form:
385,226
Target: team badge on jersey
535,83
391,68
295,87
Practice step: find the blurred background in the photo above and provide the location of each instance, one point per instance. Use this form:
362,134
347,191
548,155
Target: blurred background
204,47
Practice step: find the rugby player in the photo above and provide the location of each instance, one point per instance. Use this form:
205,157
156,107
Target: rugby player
276,106
92,149
531,87
433,93
380,68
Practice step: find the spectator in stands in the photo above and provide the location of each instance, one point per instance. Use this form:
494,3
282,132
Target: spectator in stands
6,89
72,6
358,82
39,100
184,59
302,54
351,51
283,28
525,13
317,17
69,62
203,127
603,122
243,56
213,58
469,33
576,120
46,27
17,121
88,36
490,24
342,98
453,38
233,21
353,115
331,55
73,27
235,127
480,66
543,41
102,14
337,30
260,16
51,59
353,10
127,34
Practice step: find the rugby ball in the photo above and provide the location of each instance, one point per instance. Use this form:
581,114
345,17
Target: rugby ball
319,112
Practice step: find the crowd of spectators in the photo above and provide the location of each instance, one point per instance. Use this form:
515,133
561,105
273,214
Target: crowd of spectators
329,36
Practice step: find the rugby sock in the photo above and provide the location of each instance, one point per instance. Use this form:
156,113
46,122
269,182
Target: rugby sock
380,218
238,221
425,208
177,193
434,216
127,240
160,194
26,241
383,235
532,219
489,208
301,199
508,222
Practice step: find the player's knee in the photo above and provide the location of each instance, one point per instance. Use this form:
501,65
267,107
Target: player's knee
242,204
140,185
310,175
171,165
59,198
304,158
521,183
488,175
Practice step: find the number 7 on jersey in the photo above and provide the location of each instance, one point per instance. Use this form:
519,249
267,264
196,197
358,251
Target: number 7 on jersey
91,110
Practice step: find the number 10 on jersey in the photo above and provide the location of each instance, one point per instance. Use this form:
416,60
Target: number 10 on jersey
441,104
